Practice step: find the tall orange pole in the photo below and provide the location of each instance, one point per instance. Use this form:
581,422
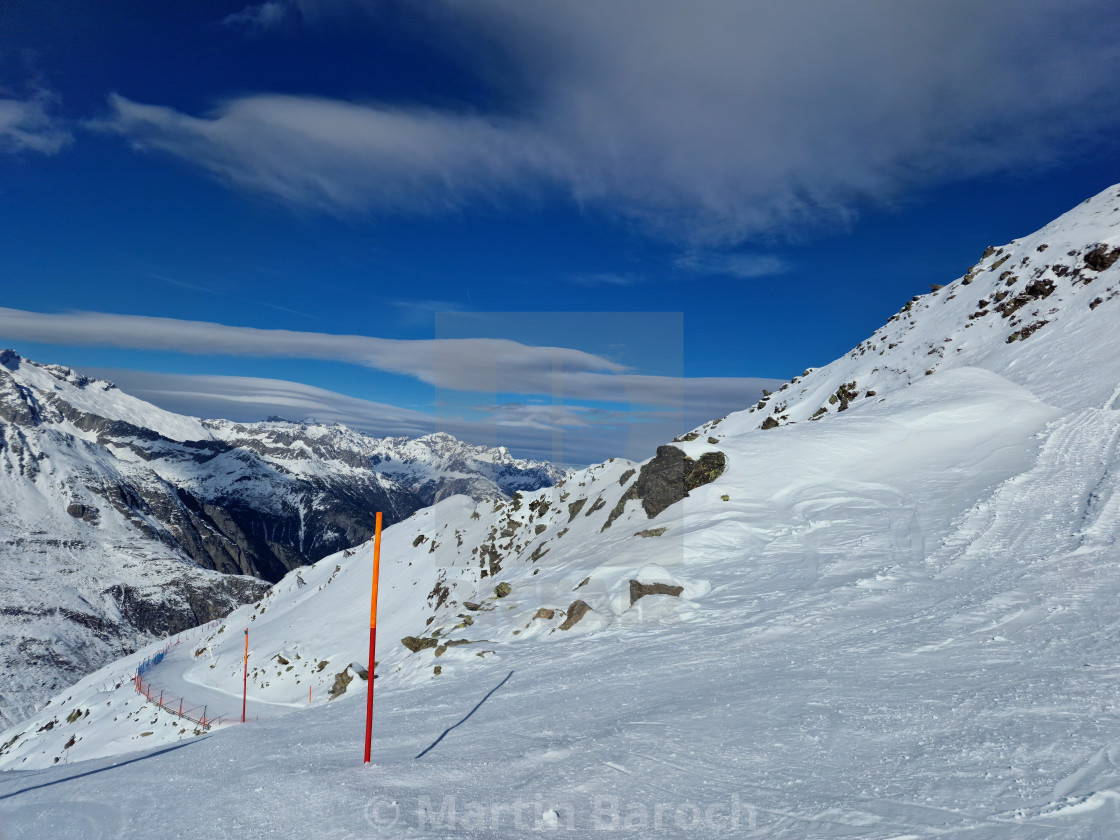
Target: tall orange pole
372,634
245,682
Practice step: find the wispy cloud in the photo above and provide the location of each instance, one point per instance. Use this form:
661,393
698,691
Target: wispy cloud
27,125
272,14
481,365
261,15
341,157
708,122
732,264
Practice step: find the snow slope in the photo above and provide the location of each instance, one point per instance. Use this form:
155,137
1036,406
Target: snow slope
898,621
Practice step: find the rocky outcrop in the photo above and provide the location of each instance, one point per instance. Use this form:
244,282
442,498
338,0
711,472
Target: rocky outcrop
667,478
575,613
640,590
184,602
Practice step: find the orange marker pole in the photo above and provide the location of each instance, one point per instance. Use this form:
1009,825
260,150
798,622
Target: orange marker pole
372,633
245,682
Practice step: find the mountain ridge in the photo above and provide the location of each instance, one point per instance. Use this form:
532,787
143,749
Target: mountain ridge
1041,293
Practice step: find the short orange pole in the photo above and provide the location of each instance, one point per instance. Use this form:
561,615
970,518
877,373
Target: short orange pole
245,681
372,634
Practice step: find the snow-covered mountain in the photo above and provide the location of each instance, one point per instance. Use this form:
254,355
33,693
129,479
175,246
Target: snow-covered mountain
1031,311
896,617
116,516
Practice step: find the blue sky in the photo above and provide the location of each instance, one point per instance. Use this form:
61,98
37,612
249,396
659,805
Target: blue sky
572,228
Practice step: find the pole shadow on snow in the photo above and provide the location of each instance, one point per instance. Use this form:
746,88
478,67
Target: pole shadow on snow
467,717
103,769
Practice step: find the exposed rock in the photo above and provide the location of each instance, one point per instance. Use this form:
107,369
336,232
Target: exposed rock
341,680
544,613
640,590
844,395
1101,258
184,602
419,643
575,507
87,513
576,611
1026,332
502,589
667,478
439,594
1036,290
455,643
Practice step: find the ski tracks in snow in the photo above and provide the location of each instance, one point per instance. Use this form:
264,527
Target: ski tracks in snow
1063,503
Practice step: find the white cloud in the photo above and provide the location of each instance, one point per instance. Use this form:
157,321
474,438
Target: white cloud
708,121
341,157
481,365
464,364
27,125
740,265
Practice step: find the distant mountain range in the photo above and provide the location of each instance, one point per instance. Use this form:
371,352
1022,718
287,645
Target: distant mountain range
120,521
